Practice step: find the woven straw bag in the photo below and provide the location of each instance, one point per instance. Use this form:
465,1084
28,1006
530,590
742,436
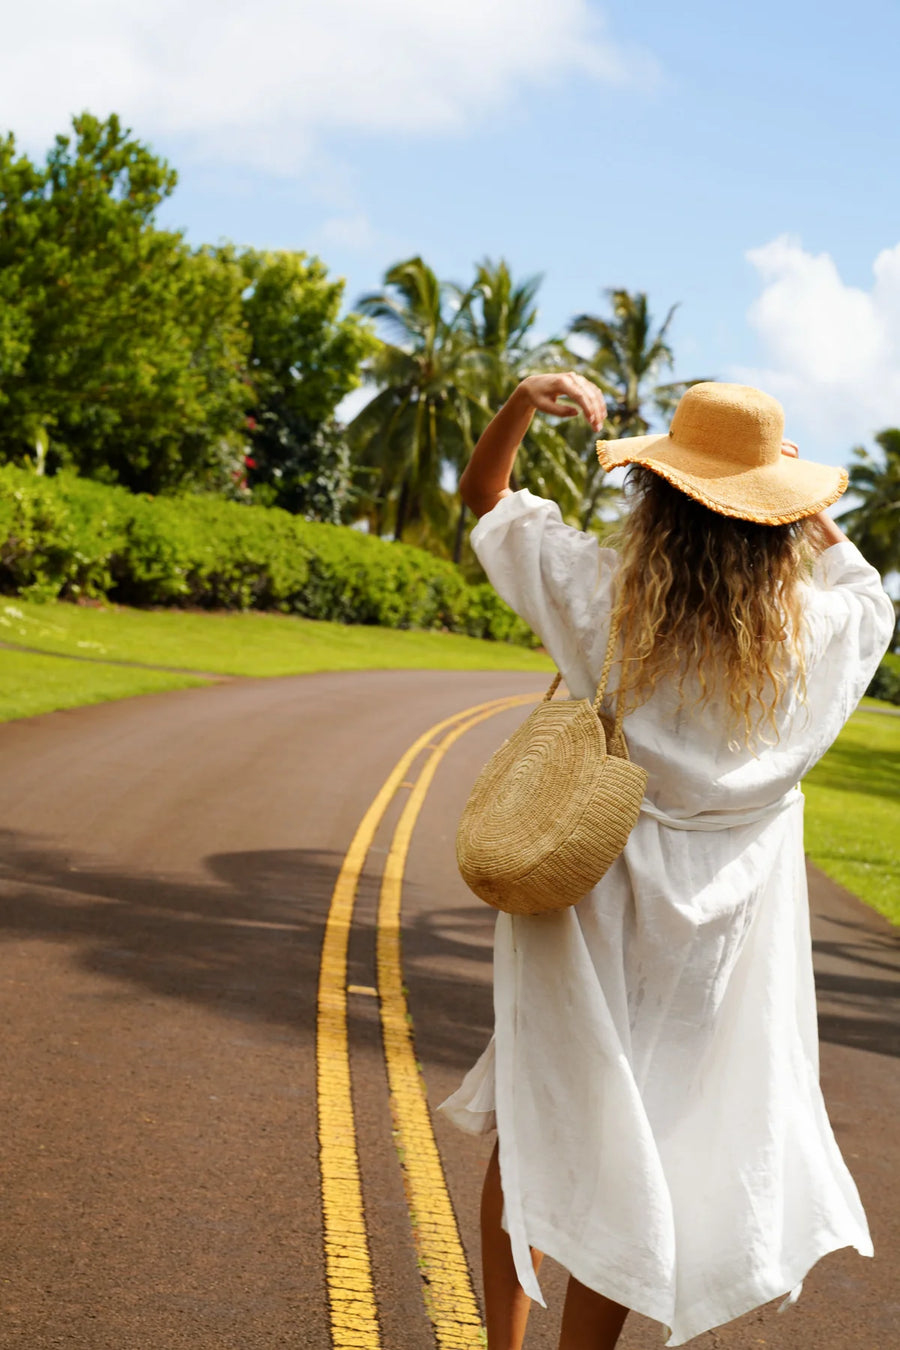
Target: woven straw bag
553,807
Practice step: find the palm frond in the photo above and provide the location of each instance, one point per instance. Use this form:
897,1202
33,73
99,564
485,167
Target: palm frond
873,523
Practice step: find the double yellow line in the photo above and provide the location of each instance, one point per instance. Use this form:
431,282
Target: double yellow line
450,1299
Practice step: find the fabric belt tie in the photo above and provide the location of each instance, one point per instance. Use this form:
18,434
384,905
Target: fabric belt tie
722,820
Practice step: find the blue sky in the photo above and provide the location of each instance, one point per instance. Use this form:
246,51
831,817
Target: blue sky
739,161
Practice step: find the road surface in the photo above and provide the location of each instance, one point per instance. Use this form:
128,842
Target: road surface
169,865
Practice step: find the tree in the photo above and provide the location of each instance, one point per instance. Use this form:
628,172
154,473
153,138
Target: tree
626,361
420,421
303,361
120,346
874,523
498,317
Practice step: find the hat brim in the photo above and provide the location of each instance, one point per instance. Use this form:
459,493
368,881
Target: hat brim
770,494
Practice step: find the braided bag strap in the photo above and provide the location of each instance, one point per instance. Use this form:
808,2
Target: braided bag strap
609,658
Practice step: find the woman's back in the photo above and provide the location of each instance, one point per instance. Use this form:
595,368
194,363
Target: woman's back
562,582
653,1077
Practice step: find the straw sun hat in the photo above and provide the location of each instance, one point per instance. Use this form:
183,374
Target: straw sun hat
724,449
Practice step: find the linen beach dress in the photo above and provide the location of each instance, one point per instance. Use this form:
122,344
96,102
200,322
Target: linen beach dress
653,1074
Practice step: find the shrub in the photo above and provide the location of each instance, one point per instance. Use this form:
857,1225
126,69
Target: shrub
64,537
56,535
886,681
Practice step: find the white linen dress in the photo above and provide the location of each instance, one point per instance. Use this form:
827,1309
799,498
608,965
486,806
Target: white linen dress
653,1074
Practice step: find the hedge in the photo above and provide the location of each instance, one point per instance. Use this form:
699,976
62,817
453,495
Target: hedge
886,682
66,537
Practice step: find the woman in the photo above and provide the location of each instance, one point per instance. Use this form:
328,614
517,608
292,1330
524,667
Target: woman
653,1076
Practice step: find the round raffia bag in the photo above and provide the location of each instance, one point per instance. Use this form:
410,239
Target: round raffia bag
553,807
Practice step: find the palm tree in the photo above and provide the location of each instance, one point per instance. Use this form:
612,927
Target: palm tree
498,316
421,420
626,361
874,523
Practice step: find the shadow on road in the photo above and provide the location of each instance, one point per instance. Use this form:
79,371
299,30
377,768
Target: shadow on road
447,963
247,943
858,986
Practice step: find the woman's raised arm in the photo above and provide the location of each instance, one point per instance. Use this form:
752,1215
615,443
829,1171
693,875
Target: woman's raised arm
486,477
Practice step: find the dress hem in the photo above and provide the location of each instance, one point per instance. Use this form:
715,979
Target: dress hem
702,1316
478,1128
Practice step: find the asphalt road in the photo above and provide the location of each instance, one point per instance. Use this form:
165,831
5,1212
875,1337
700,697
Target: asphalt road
167,868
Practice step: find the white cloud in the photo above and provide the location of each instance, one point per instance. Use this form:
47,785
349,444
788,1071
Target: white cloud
832,351
259,81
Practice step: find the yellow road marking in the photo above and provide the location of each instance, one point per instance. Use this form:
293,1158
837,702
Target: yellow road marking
450,1298
348,1265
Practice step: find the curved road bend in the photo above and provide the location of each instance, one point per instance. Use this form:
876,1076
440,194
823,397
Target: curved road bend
167,868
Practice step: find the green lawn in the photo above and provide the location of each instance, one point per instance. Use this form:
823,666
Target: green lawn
880,703
38,684
213,643
853,811
252,643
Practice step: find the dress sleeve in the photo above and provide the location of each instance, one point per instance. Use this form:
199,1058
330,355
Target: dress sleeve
558,579
850,621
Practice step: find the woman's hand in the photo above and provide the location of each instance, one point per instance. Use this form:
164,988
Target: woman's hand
826,531
486,477
546,391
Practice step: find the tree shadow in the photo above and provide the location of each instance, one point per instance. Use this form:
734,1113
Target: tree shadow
246,943
850,768
858,987
447,962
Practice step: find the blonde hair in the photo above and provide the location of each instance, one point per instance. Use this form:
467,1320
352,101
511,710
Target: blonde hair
712,596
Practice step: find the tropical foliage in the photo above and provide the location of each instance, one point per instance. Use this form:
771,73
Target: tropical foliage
67,537
421,419
873,523
121,350
626,358
449,356
499,316
303,360
133,358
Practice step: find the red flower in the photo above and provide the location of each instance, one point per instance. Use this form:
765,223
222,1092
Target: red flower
251,423
250,462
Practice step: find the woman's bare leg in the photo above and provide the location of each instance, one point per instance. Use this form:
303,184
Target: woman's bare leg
590,1321
506,1303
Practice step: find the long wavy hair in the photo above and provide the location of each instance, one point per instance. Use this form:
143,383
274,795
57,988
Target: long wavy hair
713,597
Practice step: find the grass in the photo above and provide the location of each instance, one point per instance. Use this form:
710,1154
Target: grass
880,703
251,643
853,811
38,684
212,643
